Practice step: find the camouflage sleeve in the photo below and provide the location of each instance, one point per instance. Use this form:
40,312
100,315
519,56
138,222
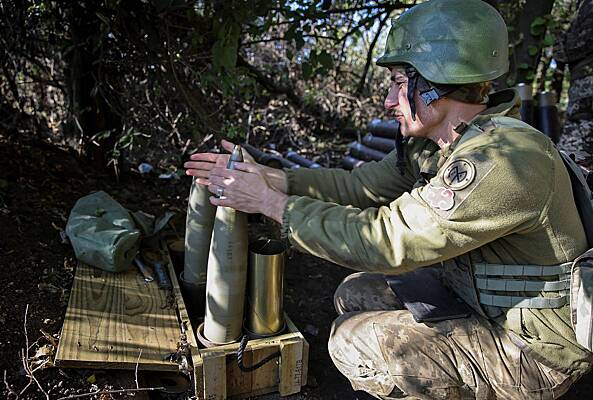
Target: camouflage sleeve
371,185
474,200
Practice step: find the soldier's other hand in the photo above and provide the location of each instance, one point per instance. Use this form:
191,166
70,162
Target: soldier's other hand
201,164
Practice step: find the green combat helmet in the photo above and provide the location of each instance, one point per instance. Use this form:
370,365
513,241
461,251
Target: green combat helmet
450,41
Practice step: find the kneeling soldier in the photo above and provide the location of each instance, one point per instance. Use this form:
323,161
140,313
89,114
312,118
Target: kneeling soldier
481,198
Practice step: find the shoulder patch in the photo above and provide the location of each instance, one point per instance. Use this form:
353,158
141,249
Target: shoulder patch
459,174
455,182
440,198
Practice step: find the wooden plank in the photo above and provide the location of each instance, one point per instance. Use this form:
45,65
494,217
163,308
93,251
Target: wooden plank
267,375
238,382
291,366
290,325
215,376
199,378
185,325
305,358
305,370
258,392
265,379
111,317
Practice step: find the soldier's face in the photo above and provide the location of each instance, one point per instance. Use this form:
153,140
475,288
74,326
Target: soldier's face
397,102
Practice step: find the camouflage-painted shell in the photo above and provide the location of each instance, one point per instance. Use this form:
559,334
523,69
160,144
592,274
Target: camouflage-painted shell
450,41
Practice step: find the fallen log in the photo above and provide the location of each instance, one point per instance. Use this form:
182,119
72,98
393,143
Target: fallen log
302,161
349,162
270,160
365,153
378,143
383,128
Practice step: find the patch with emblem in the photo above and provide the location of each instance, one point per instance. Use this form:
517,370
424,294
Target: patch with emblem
439,197
459,174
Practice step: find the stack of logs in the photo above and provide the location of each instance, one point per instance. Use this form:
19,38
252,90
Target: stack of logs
292,160
375,145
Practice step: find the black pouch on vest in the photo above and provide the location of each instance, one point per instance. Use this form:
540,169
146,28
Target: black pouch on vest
424,295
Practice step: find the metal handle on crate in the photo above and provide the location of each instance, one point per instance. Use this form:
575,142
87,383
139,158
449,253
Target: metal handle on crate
241,350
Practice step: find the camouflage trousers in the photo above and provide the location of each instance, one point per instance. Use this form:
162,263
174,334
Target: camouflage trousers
382,350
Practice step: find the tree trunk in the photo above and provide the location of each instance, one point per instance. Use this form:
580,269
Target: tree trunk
522,39
90,112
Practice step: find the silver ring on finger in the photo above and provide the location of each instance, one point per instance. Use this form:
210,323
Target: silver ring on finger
220,192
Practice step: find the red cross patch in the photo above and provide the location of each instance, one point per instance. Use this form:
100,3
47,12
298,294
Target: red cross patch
439,197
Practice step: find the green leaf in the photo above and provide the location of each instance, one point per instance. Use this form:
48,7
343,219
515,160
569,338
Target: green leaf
125,141
537,31
532,50
530,75
539,21
224,56
99,136
523,66
231,132
548,40
538,26
289,54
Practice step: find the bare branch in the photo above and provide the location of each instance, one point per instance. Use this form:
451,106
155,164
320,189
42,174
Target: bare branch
25,328
136,372
386,5
79,396
281,39
362,23
370,54
269,83
10,391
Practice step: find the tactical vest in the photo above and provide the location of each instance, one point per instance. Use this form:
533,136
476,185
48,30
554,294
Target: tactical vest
567,283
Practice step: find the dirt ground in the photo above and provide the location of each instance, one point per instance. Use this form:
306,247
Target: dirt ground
38,186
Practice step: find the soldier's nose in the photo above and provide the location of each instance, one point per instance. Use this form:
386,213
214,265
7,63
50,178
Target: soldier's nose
391,99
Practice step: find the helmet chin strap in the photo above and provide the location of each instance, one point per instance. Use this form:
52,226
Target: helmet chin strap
400,152
429,92
413,76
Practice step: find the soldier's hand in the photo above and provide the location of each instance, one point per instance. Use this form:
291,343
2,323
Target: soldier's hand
246,189
201,164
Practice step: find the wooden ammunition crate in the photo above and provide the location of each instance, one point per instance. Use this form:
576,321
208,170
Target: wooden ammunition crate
217,375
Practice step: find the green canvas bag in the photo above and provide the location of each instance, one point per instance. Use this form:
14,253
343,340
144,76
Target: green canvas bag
106,235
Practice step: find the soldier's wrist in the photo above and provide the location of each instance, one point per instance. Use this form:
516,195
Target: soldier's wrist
277,179
274,204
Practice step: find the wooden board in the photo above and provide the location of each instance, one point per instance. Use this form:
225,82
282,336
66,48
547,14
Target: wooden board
184,321
111,318
218,380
